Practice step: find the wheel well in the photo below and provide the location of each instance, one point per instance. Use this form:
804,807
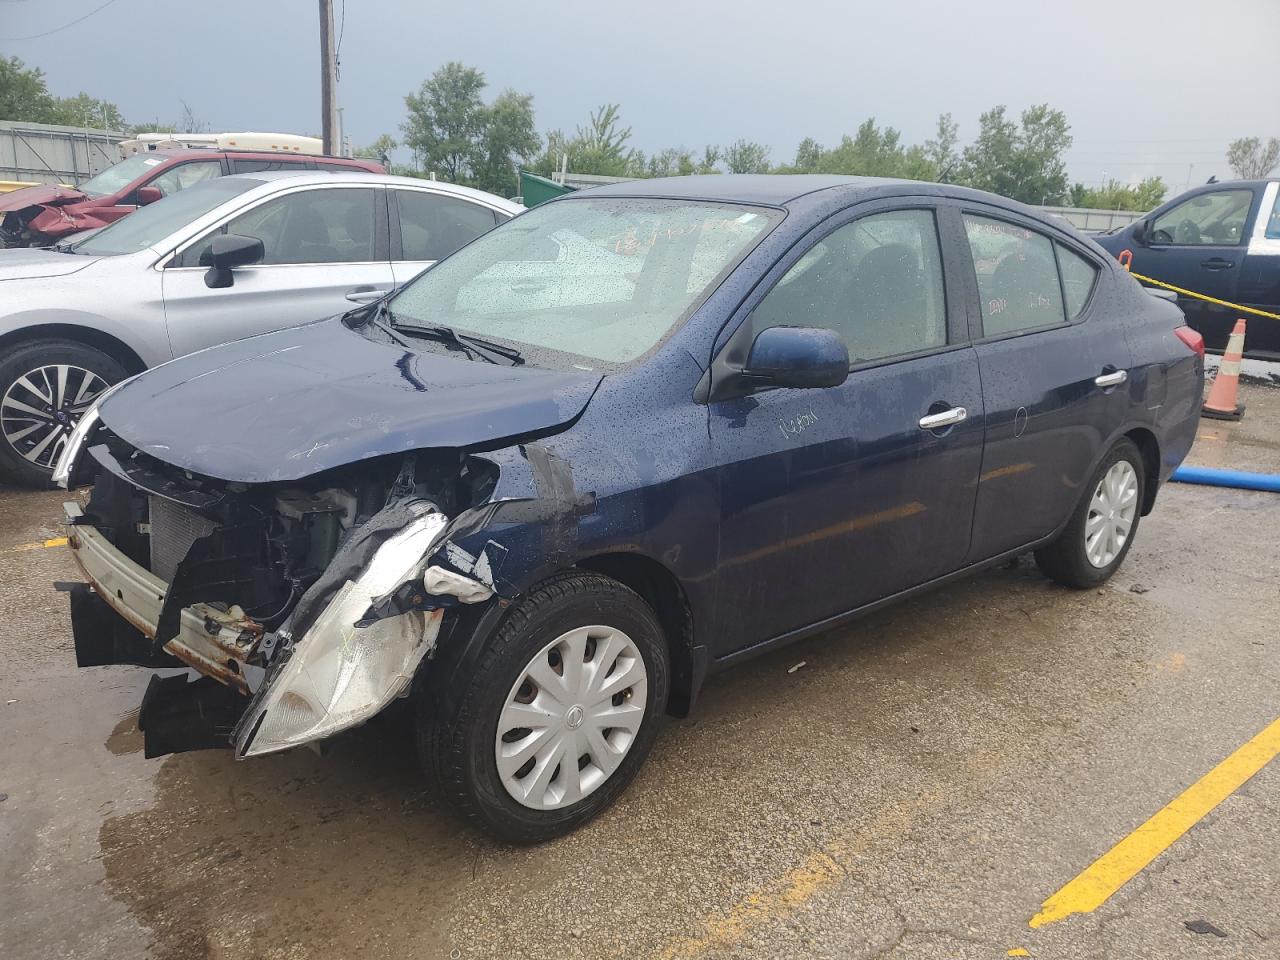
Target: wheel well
1146,443
663,592
118,350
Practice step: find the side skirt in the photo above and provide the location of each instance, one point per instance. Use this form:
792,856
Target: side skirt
764,646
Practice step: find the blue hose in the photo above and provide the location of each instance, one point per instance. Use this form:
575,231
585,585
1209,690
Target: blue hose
1228,478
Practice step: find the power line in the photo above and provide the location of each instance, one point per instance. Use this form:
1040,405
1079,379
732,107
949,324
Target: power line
37,36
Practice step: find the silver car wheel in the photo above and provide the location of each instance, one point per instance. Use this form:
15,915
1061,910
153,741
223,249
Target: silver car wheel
1111,514
41,407
571,717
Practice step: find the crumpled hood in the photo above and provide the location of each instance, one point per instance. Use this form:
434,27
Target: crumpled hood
36,196
28,264
289,404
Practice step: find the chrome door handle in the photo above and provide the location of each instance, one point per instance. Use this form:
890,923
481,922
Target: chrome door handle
947,418
1112,379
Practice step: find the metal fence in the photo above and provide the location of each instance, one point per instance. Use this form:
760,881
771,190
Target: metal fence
47,153
1094,221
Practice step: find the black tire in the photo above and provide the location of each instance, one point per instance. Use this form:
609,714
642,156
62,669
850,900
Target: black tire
20,360
1066,560
458,715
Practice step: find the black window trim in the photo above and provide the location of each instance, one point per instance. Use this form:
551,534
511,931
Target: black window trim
1050,233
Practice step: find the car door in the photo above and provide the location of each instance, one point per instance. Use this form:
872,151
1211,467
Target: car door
832,498
1260,279
427,226
325,249
1054,377
1199,244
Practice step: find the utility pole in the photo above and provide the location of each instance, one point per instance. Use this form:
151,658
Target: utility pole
328,80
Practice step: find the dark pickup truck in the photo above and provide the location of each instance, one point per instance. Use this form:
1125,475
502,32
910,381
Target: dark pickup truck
1221,240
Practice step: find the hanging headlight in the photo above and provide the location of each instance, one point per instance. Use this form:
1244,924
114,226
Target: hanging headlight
66,465
339,675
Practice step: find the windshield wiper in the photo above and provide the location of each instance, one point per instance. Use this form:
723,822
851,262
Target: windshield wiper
484,349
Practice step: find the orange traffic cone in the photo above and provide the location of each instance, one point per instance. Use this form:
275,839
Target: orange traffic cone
1222,404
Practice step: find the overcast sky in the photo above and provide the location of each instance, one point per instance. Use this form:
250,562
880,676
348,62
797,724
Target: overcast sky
1148,87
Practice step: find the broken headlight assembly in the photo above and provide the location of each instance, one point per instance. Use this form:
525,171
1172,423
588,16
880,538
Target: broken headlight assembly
66,462
338,674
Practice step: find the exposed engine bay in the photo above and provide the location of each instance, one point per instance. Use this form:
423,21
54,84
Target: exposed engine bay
306,606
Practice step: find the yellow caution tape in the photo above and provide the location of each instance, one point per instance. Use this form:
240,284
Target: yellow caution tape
1200,296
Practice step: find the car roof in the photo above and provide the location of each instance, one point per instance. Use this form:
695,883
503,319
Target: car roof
364,177
784,189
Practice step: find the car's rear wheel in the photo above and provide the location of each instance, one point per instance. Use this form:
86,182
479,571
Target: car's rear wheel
557,715
1100,532
45,387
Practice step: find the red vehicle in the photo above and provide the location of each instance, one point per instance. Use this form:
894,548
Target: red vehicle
42,215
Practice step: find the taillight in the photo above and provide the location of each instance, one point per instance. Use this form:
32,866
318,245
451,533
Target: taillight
1192,339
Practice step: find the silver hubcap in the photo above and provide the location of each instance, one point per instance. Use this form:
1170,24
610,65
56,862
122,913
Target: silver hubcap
40,409
1111,513
571,717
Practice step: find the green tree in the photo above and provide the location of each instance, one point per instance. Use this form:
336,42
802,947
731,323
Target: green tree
509,138
1023,161
808,156
83,110
24,94
940,152
379,150
601,146
1251,159
445,126
1140,197
745,156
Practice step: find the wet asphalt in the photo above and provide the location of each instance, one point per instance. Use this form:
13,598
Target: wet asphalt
916,789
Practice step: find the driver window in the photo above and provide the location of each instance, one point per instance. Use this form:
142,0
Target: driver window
1210,218
186,175
876,281
311,226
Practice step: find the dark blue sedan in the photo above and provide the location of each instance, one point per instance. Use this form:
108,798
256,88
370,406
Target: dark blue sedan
631,436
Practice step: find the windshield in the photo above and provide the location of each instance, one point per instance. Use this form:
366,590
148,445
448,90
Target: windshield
151,224
120,176
601,280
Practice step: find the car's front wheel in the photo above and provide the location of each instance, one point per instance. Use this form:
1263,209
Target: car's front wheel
557,715
1100,532
45,386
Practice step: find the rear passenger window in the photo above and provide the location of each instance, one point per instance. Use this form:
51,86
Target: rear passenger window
1078,278
1017,276
432,226
876,281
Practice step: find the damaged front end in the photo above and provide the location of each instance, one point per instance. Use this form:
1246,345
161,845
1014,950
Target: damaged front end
306,606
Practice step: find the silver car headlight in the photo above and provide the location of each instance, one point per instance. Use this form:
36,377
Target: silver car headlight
340,675
66,464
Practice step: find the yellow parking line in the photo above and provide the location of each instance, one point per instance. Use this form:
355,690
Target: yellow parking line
1111,871
40,544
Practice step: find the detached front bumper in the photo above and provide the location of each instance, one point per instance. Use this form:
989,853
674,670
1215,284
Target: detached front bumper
214,642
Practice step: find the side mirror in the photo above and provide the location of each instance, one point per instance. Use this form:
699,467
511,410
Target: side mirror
798,357
149,195
230,251
1139,232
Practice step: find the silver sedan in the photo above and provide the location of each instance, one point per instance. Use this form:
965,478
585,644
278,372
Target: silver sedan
226,259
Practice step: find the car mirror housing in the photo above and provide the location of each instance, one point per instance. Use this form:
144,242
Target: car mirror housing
798,357
231,251
1139,232
148,195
